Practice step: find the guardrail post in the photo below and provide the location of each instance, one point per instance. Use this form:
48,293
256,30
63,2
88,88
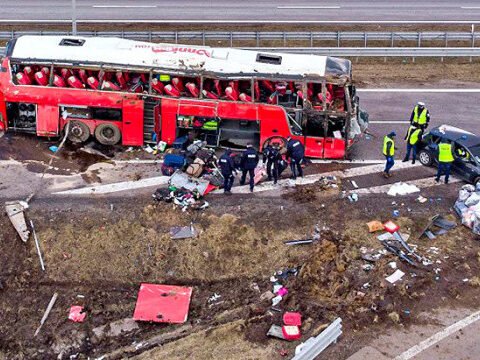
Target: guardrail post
311,39
284,39
150,36
338,38
419,44
365,37
203,38
393,37
176,37
258,38
446,39
231,39
473,39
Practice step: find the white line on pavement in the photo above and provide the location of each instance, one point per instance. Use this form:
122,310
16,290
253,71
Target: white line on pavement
420,90
215,21
124,6
420,183
470,7
292,7
116,187
319,161
389,122
432,340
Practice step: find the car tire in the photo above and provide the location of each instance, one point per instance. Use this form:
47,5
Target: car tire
78,132
108,134
425,157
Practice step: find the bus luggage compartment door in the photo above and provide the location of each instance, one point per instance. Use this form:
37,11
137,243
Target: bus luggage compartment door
333,148
48,120
132,133
314,146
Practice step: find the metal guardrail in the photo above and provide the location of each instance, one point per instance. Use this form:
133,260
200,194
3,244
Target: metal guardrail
258,37
370,52
315,345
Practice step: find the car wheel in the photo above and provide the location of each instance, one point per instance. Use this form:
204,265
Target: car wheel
279,140
108,134
425,157
78,132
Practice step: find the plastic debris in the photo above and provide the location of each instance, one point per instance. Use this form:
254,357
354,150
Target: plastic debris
402,188
16,213
397,275
353,197
183,232
374,225
77,314
53,148
47,312
162,303
276,331
276,300
422,199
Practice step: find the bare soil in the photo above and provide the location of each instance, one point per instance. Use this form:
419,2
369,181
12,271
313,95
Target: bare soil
105,254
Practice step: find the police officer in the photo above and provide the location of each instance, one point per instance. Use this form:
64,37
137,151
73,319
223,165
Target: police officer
295,152
414,135
248,164
445,159
227,167
389,152
271,154
420,116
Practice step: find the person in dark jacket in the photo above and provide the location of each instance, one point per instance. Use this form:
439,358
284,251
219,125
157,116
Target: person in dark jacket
413,137
248,164
227,167
271,155
296,153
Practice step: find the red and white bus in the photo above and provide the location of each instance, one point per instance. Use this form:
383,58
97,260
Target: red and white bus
129,92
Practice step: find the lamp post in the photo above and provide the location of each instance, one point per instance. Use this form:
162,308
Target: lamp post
74,18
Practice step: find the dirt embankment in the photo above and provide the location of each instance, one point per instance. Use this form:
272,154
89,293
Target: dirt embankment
104,255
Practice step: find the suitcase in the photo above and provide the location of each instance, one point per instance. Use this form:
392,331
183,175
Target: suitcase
173,160
180,142
167,170
196,168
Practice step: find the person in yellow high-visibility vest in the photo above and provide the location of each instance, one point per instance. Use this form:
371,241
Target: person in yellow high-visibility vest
414,135
445,159
420,116
389,152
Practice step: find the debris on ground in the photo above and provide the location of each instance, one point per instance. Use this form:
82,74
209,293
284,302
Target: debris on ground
467,207
374,226
77,314
37,245
311,348
183,232
397,275
47,312
440,222
16,213
114,329
402,188
162,303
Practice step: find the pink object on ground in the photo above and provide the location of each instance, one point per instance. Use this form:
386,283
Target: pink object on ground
162,303
292,318
291,332
282,291
391,227
76,314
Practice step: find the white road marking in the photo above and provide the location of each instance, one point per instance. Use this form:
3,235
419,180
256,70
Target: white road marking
420,183
439,336
389,122
124,6
292,7
116,187
215,21
320,161
420,90
470,7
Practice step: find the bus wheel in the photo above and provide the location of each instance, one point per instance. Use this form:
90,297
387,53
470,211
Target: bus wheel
281,141
78,132
108,134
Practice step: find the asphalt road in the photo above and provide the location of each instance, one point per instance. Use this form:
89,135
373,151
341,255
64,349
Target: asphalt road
246,11
390,111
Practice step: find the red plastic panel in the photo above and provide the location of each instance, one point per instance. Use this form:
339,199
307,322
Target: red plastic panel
162,303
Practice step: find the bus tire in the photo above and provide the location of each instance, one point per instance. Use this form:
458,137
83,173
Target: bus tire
108,134
78,132
275,139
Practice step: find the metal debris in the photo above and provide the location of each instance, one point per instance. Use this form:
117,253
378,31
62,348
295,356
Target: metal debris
15,211
47,312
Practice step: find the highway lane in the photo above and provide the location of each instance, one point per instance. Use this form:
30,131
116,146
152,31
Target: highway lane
390,111
247,10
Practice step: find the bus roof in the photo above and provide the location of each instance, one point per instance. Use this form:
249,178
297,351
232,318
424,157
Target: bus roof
179,58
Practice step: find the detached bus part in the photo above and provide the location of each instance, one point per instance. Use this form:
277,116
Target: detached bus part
129,92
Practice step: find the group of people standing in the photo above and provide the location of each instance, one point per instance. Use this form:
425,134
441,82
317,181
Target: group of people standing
273,157
419,120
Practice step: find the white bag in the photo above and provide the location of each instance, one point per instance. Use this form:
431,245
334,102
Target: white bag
473,199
